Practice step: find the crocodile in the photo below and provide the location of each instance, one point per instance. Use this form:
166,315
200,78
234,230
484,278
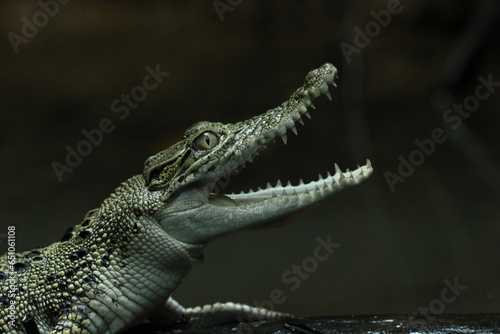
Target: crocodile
119,267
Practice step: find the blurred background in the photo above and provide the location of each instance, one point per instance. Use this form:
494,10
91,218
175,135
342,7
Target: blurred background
228,61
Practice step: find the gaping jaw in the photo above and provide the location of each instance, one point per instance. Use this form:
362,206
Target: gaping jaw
313,192
187,173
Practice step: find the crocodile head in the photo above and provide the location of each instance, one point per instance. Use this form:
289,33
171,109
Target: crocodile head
186,175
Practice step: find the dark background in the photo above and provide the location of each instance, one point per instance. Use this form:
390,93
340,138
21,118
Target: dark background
397,247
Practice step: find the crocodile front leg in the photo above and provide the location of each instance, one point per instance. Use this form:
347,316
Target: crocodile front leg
215,314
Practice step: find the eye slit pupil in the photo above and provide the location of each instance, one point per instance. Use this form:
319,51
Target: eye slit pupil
206,141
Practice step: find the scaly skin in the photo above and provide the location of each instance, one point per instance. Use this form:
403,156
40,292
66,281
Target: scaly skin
121,264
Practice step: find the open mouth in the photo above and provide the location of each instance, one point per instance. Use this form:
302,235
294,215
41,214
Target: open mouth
304,194
212,152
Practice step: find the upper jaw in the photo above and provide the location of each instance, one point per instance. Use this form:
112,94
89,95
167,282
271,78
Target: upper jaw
251,136
259,130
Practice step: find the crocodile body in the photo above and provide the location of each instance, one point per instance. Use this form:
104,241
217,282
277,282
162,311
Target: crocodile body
121,264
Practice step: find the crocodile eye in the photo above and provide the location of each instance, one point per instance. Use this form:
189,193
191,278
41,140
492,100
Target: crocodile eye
206,141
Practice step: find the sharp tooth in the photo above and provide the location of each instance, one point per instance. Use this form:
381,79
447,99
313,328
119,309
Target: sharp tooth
289,184
284,138
320,177
328,175
338,171
294,130
278,184
328,95
301,182
268,185
307,114
301,121
368,163
312,106
334,84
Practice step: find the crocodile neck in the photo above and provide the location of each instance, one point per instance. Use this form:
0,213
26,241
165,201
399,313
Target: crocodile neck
124,230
